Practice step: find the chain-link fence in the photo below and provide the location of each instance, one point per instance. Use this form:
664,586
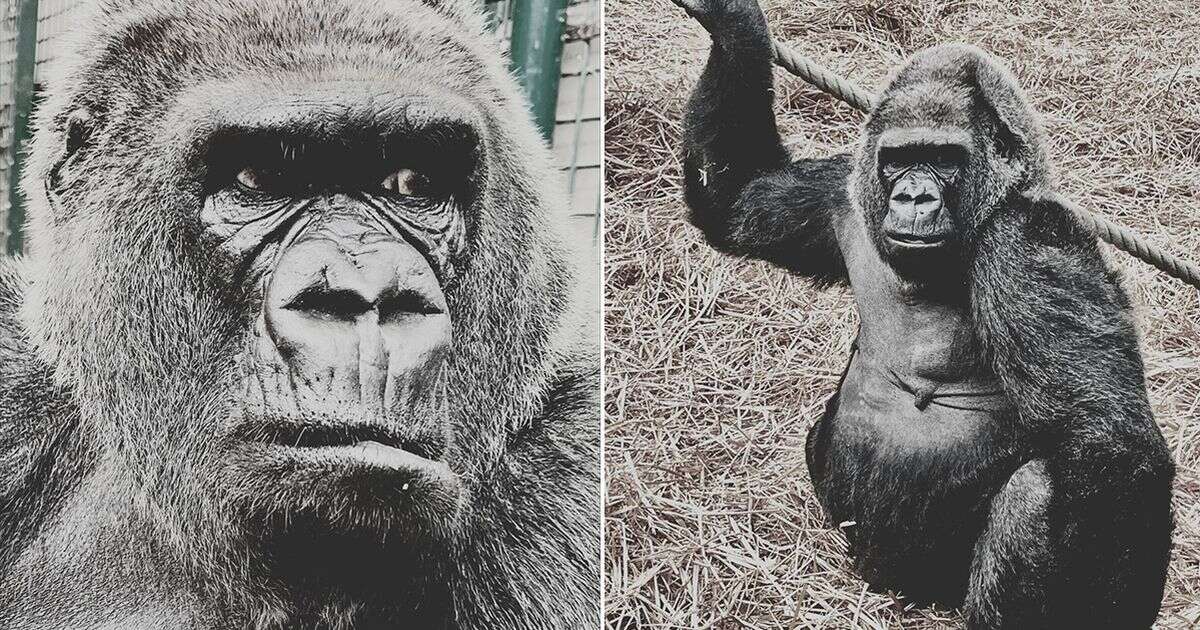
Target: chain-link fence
576,135
8,64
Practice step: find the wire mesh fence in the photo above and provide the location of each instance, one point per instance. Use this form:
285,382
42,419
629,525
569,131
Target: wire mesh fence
8,62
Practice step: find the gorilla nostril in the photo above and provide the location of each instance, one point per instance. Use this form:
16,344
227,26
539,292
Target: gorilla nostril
925,198
394,305
902,197
338,304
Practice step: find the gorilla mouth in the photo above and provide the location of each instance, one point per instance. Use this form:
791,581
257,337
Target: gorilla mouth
365,437
908,240
394,477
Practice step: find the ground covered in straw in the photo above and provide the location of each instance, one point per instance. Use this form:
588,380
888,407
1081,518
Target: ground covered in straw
716,367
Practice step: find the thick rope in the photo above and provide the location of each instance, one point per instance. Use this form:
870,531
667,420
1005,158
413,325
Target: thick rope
1119,236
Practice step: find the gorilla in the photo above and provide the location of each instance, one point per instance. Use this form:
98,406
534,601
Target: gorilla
295,344
990,444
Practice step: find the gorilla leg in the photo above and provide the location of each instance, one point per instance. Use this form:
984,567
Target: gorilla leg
1006,588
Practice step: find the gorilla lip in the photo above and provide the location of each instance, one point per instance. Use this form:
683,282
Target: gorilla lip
366,465
379,455
917,241
298,435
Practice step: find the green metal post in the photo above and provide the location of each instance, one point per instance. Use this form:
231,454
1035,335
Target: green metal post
537,43
25,64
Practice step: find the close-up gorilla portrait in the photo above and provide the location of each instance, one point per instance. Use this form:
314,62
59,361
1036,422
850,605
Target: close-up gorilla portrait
295,339
924,354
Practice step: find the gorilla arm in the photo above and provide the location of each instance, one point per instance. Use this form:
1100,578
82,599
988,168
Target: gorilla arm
744,194
1055,322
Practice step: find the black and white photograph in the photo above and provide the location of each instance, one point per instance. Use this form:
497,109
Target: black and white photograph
583,314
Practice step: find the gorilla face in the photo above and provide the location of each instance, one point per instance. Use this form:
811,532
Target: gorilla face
920,171
937,158
916,219
346,224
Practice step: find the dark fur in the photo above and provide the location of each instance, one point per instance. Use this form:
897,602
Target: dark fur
119,335
1044,505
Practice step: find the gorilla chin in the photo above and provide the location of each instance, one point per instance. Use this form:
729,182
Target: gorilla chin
920,261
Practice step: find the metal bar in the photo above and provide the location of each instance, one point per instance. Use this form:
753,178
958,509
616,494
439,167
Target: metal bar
583,79
537,43
23,77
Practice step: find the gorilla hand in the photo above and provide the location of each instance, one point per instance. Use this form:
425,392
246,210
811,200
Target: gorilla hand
739,23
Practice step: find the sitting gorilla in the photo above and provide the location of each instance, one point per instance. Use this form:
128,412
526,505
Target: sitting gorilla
293,346
990,444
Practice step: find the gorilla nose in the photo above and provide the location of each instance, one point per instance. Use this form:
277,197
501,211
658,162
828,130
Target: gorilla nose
915,209
335,284
359,296
357,313
916,197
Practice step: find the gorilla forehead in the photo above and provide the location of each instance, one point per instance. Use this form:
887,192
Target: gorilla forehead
163,74
937,87
175,41
925,105
338,110
948,64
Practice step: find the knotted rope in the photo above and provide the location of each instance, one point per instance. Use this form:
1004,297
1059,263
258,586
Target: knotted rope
1119,236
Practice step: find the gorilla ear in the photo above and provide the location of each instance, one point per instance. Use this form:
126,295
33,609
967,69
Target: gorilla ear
76,132
1017,133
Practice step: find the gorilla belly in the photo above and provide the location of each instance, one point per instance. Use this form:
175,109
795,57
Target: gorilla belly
909,476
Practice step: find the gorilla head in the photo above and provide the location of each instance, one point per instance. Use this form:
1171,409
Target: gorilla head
291,260
949,138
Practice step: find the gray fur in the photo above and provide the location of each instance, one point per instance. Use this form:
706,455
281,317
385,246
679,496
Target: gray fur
1010,550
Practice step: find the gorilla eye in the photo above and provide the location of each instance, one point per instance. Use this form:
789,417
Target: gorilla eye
408,182
273,180
250,178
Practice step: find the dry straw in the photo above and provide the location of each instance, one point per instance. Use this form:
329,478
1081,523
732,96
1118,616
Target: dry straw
717,366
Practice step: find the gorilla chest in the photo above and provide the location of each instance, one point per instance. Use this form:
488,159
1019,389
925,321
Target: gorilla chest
915,430
920,432
919,419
